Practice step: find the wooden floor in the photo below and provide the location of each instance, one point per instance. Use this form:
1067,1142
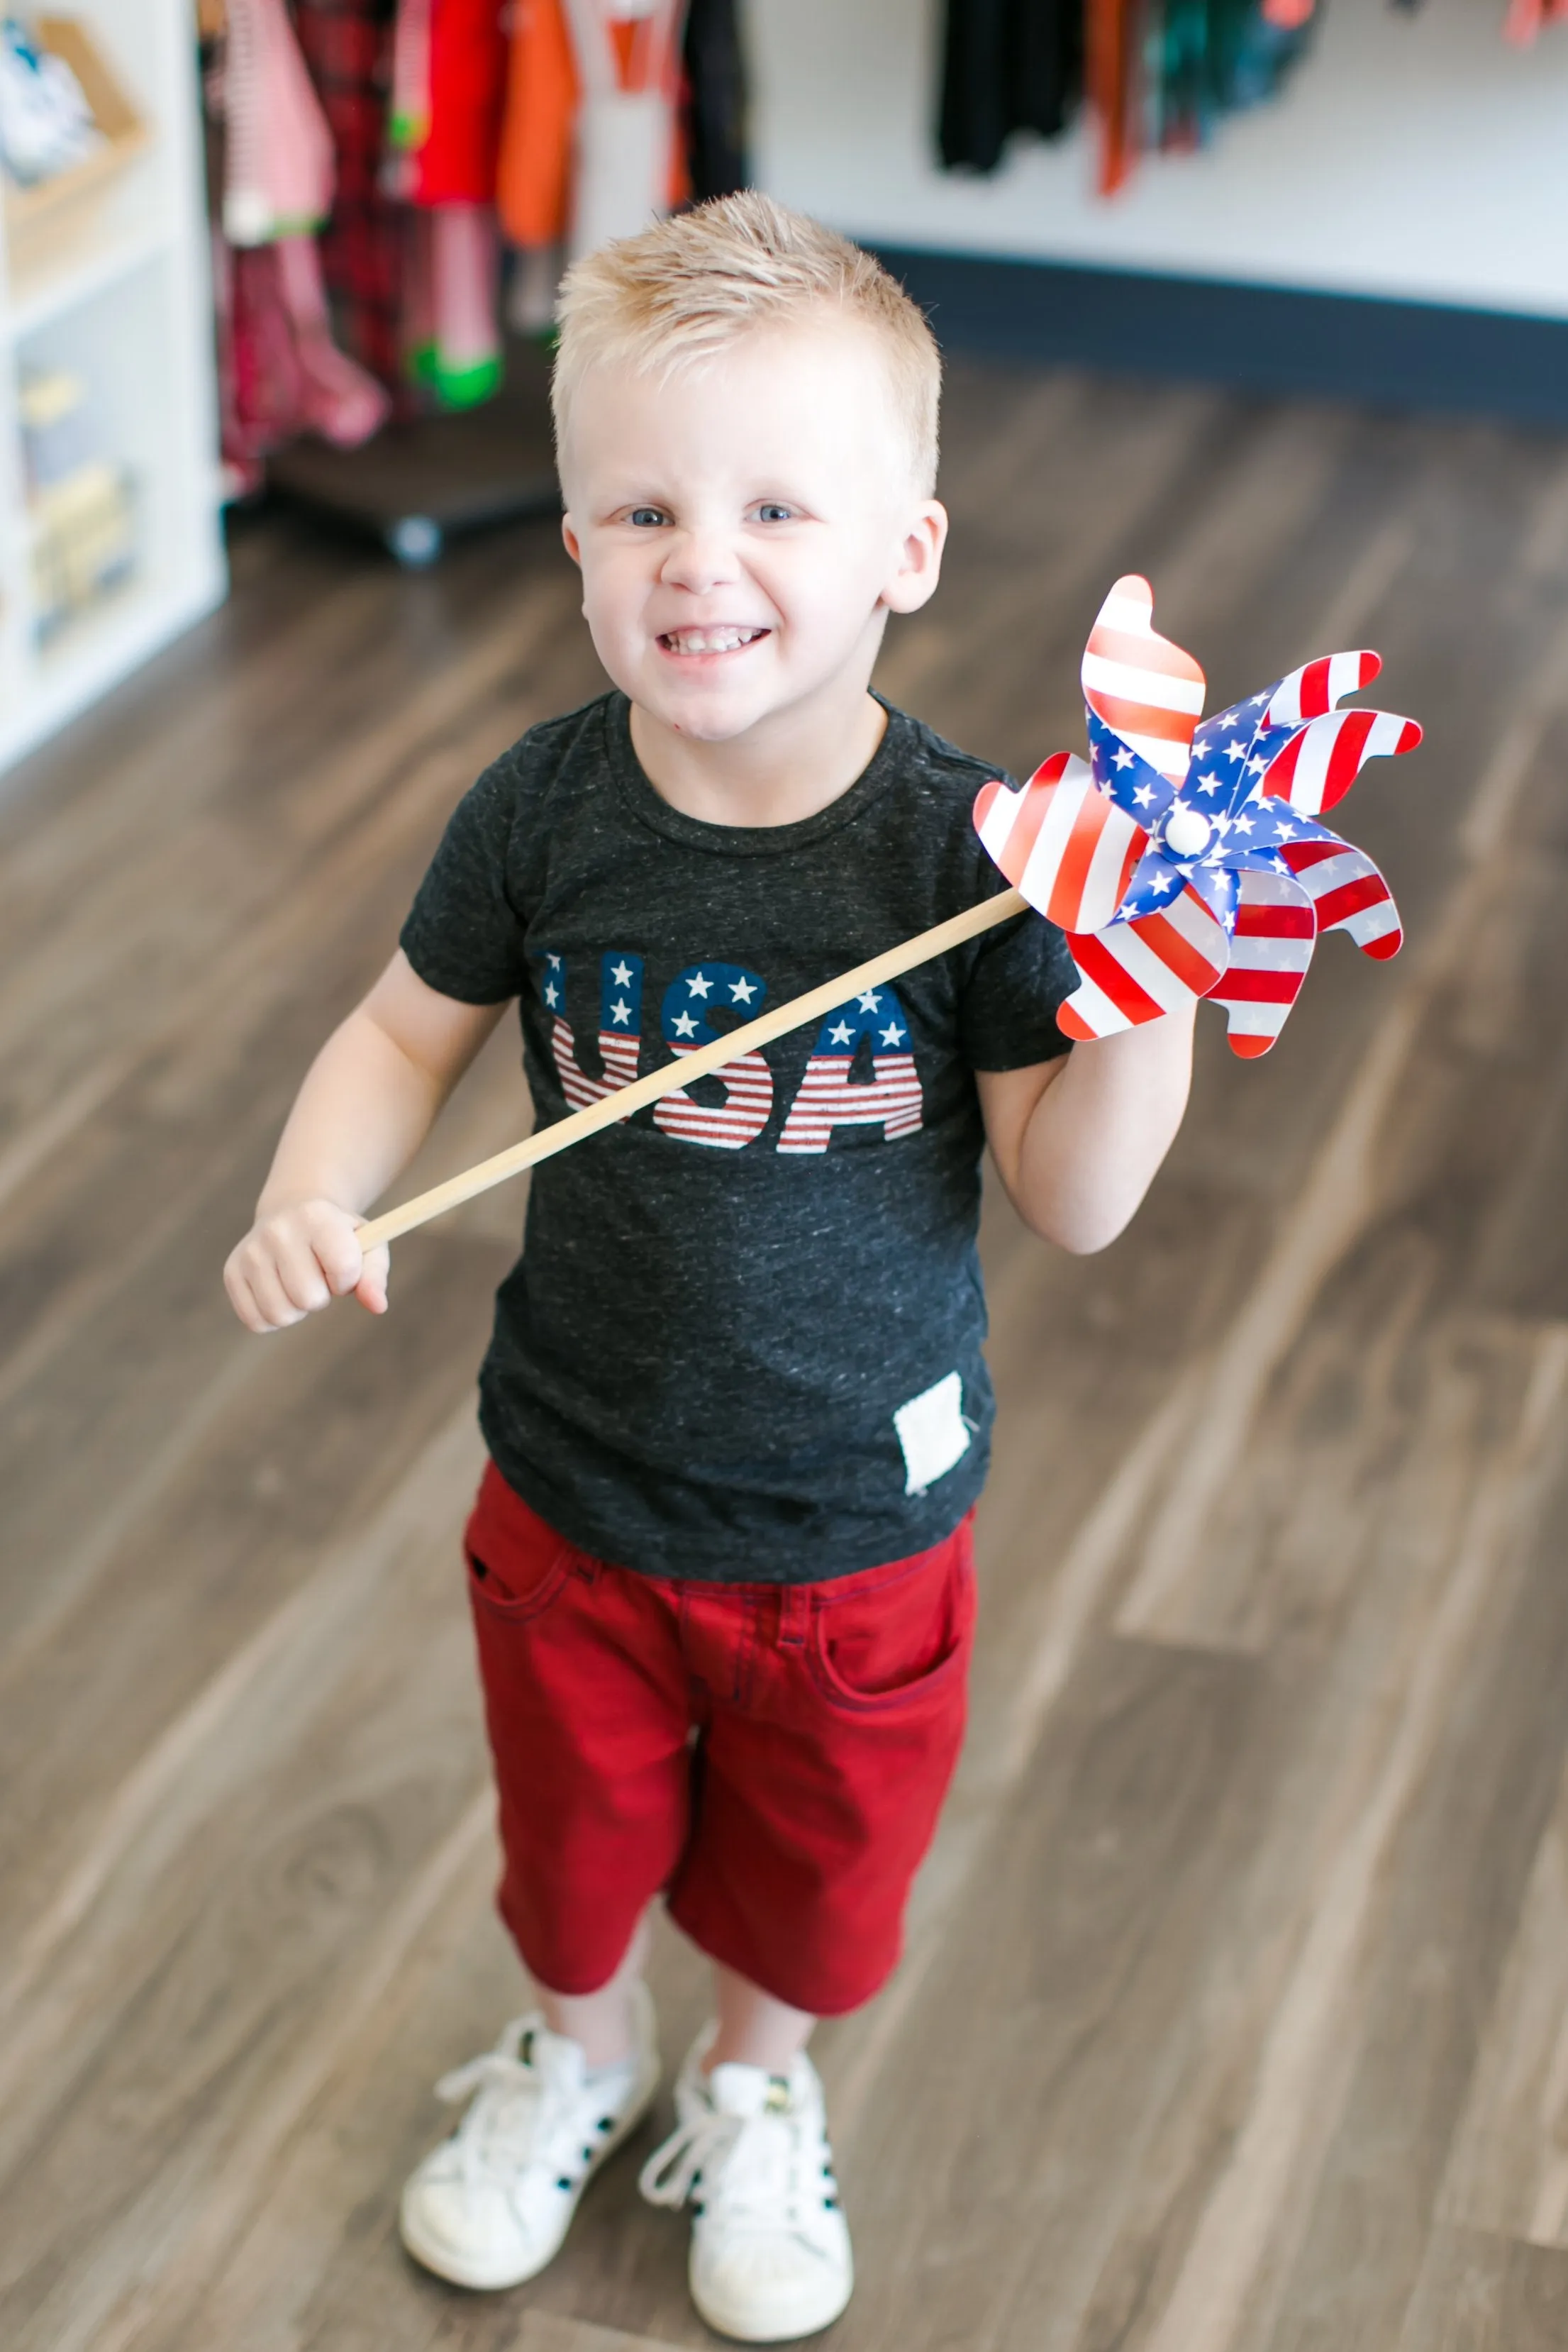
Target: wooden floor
1235,2017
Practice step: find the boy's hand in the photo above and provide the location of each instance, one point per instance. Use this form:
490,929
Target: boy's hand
299,1259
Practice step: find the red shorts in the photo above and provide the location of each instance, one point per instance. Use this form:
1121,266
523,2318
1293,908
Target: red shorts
772,1758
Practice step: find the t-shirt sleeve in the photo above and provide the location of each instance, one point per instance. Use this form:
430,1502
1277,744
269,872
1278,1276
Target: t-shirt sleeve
1021,972
464,936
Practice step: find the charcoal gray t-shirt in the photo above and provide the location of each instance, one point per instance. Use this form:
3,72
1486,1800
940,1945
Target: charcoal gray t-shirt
743,1341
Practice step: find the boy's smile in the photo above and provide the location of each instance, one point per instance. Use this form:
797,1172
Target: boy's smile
744,526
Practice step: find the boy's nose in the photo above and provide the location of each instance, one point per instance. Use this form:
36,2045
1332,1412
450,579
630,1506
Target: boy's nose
699,560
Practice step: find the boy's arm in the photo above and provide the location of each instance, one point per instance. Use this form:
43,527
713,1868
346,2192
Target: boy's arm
1077,1141
367,1102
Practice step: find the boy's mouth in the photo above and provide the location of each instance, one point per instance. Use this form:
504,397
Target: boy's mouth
723,640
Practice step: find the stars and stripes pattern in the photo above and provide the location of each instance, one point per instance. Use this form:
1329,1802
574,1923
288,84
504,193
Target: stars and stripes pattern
744,1087
1146,691
1188,860
829,1094
619,1027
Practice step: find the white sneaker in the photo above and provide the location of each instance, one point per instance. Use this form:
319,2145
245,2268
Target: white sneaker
491,2205
770,2252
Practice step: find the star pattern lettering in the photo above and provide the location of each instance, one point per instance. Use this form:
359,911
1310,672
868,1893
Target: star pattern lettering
700,986
684,1025
743,991
893,1034
620,1013
621,974
842,1033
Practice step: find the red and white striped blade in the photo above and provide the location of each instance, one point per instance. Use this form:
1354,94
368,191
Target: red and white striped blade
1133,973
1318,767
1270,951
1063,842
1146,691
1318,685
1348,894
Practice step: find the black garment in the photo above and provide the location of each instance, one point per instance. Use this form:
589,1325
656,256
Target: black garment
723,1303
714,111
1008,65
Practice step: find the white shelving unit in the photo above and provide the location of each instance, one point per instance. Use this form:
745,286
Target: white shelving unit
114,287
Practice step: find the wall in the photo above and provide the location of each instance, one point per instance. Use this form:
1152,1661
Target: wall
1412,155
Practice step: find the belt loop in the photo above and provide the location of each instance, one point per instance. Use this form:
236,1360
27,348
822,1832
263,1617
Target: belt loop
794,1615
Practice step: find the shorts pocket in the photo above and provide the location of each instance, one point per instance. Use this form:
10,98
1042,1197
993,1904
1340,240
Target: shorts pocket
519,1590
897,1644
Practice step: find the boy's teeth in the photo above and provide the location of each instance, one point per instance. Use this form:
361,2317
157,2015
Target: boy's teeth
710,641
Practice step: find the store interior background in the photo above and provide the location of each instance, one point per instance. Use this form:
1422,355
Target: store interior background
1231,2020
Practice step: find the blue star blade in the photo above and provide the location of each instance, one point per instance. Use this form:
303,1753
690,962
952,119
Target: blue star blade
1157,881
1235,749
1218,887
1138,790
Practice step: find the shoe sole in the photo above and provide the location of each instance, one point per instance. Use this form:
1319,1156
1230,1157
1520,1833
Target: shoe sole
811,2323
444,2265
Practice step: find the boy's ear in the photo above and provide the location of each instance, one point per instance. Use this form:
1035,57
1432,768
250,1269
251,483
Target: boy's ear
920,561
572,544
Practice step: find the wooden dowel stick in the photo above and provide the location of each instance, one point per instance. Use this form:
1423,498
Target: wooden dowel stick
613,1107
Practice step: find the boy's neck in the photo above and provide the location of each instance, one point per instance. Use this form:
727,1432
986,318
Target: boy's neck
779,772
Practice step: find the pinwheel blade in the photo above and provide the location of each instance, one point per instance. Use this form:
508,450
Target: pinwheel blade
1271,951
1348,894
1062,842
1319,764
1146,691
1318,685
1134,972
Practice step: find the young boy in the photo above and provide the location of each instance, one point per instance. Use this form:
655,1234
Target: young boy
735,1400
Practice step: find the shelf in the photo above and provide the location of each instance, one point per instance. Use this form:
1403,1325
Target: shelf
104,280
98,650
36,306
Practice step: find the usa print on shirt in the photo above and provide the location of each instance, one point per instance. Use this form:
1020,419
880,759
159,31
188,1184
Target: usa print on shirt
861,1072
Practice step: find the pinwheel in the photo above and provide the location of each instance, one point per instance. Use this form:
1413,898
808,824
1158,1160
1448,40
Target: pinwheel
1182,861
1187,860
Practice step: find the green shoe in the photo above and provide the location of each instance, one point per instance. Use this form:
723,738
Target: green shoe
464,387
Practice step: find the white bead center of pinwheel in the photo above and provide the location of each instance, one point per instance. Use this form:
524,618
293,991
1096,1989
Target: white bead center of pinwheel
1187,831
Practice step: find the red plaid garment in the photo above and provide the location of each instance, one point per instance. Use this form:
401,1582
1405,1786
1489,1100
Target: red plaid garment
348,47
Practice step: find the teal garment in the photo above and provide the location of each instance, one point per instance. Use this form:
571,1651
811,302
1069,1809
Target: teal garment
1205,58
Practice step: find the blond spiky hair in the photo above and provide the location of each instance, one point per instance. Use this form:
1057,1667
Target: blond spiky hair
675,294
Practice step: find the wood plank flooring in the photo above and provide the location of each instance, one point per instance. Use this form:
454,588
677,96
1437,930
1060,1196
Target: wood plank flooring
1233,2013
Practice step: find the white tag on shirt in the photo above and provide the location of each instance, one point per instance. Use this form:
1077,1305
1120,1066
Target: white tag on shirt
934,1434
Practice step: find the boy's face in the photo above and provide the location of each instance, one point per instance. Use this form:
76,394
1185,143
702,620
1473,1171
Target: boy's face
744,528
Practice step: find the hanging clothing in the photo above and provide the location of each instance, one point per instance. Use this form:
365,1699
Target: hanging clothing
1211,58
714,107
449,77
591,145
348,45
1525,18
1006,66
1156,73
281,372
278,154
1114,36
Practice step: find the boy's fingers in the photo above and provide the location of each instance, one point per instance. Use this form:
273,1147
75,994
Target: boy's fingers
340,1258
273,1303
243,1304
303,1283
371,1290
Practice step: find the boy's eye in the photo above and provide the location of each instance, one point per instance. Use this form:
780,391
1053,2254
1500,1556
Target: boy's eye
771,511
647,517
